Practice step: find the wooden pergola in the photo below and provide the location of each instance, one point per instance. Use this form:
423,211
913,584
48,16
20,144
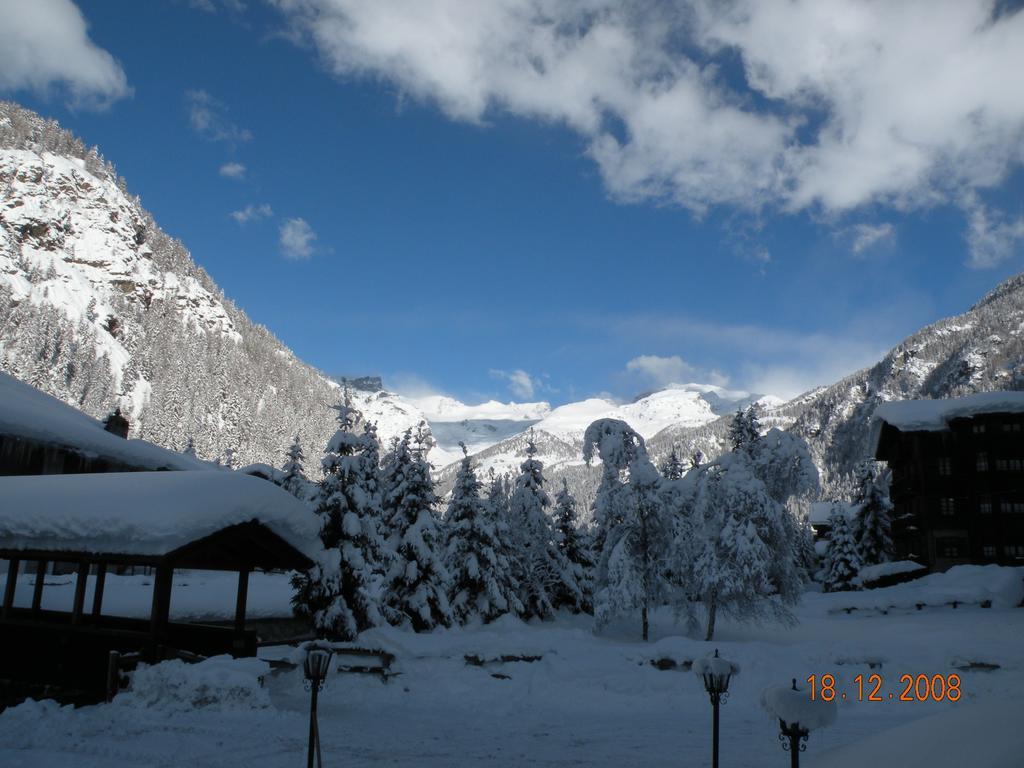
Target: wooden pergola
71,648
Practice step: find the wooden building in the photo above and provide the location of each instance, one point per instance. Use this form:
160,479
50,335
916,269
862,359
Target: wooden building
40,435
213,520
957,478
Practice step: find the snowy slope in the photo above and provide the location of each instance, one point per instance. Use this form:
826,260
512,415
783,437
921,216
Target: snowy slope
100,308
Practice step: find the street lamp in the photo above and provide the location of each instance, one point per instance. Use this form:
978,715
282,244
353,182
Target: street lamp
798,715
716,673
315,667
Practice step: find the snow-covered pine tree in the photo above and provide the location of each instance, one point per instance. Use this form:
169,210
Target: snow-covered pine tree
872,526
190,448
294,479
483,584
616,447
574,545
744,429
842,563
417,582
544,574
342,593
672,466
633,562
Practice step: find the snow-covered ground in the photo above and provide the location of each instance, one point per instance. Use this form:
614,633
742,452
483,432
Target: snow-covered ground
589,700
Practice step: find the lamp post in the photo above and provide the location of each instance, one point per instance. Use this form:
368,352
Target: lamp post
315,667
794,740
716,673
798,714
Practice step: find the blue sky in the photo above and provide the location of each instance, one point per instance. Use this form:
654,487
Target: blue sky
524,200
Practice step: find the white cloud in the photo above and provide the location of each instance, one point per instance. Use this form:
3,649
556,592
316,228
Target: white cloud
661,371
252,212
208,118
296,238
520,383
44,44
810,359
865,237
233,6
233,170
992,236
906,104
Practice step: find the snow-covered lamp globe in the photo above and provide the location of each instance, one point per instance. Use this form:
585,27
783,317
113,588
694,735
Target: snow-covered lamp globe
315,666
716,673
798,715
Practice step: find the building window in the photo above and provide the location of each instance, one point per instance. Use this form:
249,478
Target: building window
947,506
945,466
988,551
979,429
949,547
1008,465
1017,507
1014,550
1011,426
982,463
985,505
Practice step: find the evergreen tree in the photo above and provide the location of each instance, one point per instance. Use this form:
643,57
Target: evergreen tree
342,593
190,448
744,429
417,583
544,574
617,445
842,563
575,548
294,480
672,467
872,526
483,584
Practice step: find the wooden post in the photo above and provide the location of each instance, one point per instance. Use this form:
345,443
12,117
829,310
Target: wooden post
37,591
83,577
97,593
158,615
12,581
243,595
113,675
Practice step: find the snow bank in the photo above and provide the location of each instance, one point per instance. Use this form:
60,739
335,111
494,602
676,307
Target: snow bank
144,513
29,413
1001,585
795,705
220,683
981,735
875,572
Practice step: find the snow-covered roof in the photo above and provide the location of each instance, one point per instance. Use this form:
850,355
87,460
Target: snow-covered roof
935,415
144,513
29,413
821,511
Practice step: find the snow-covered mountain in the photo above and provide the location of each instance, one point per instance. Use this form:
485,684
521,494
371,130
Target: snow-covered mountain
101,308
558,436
981,350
